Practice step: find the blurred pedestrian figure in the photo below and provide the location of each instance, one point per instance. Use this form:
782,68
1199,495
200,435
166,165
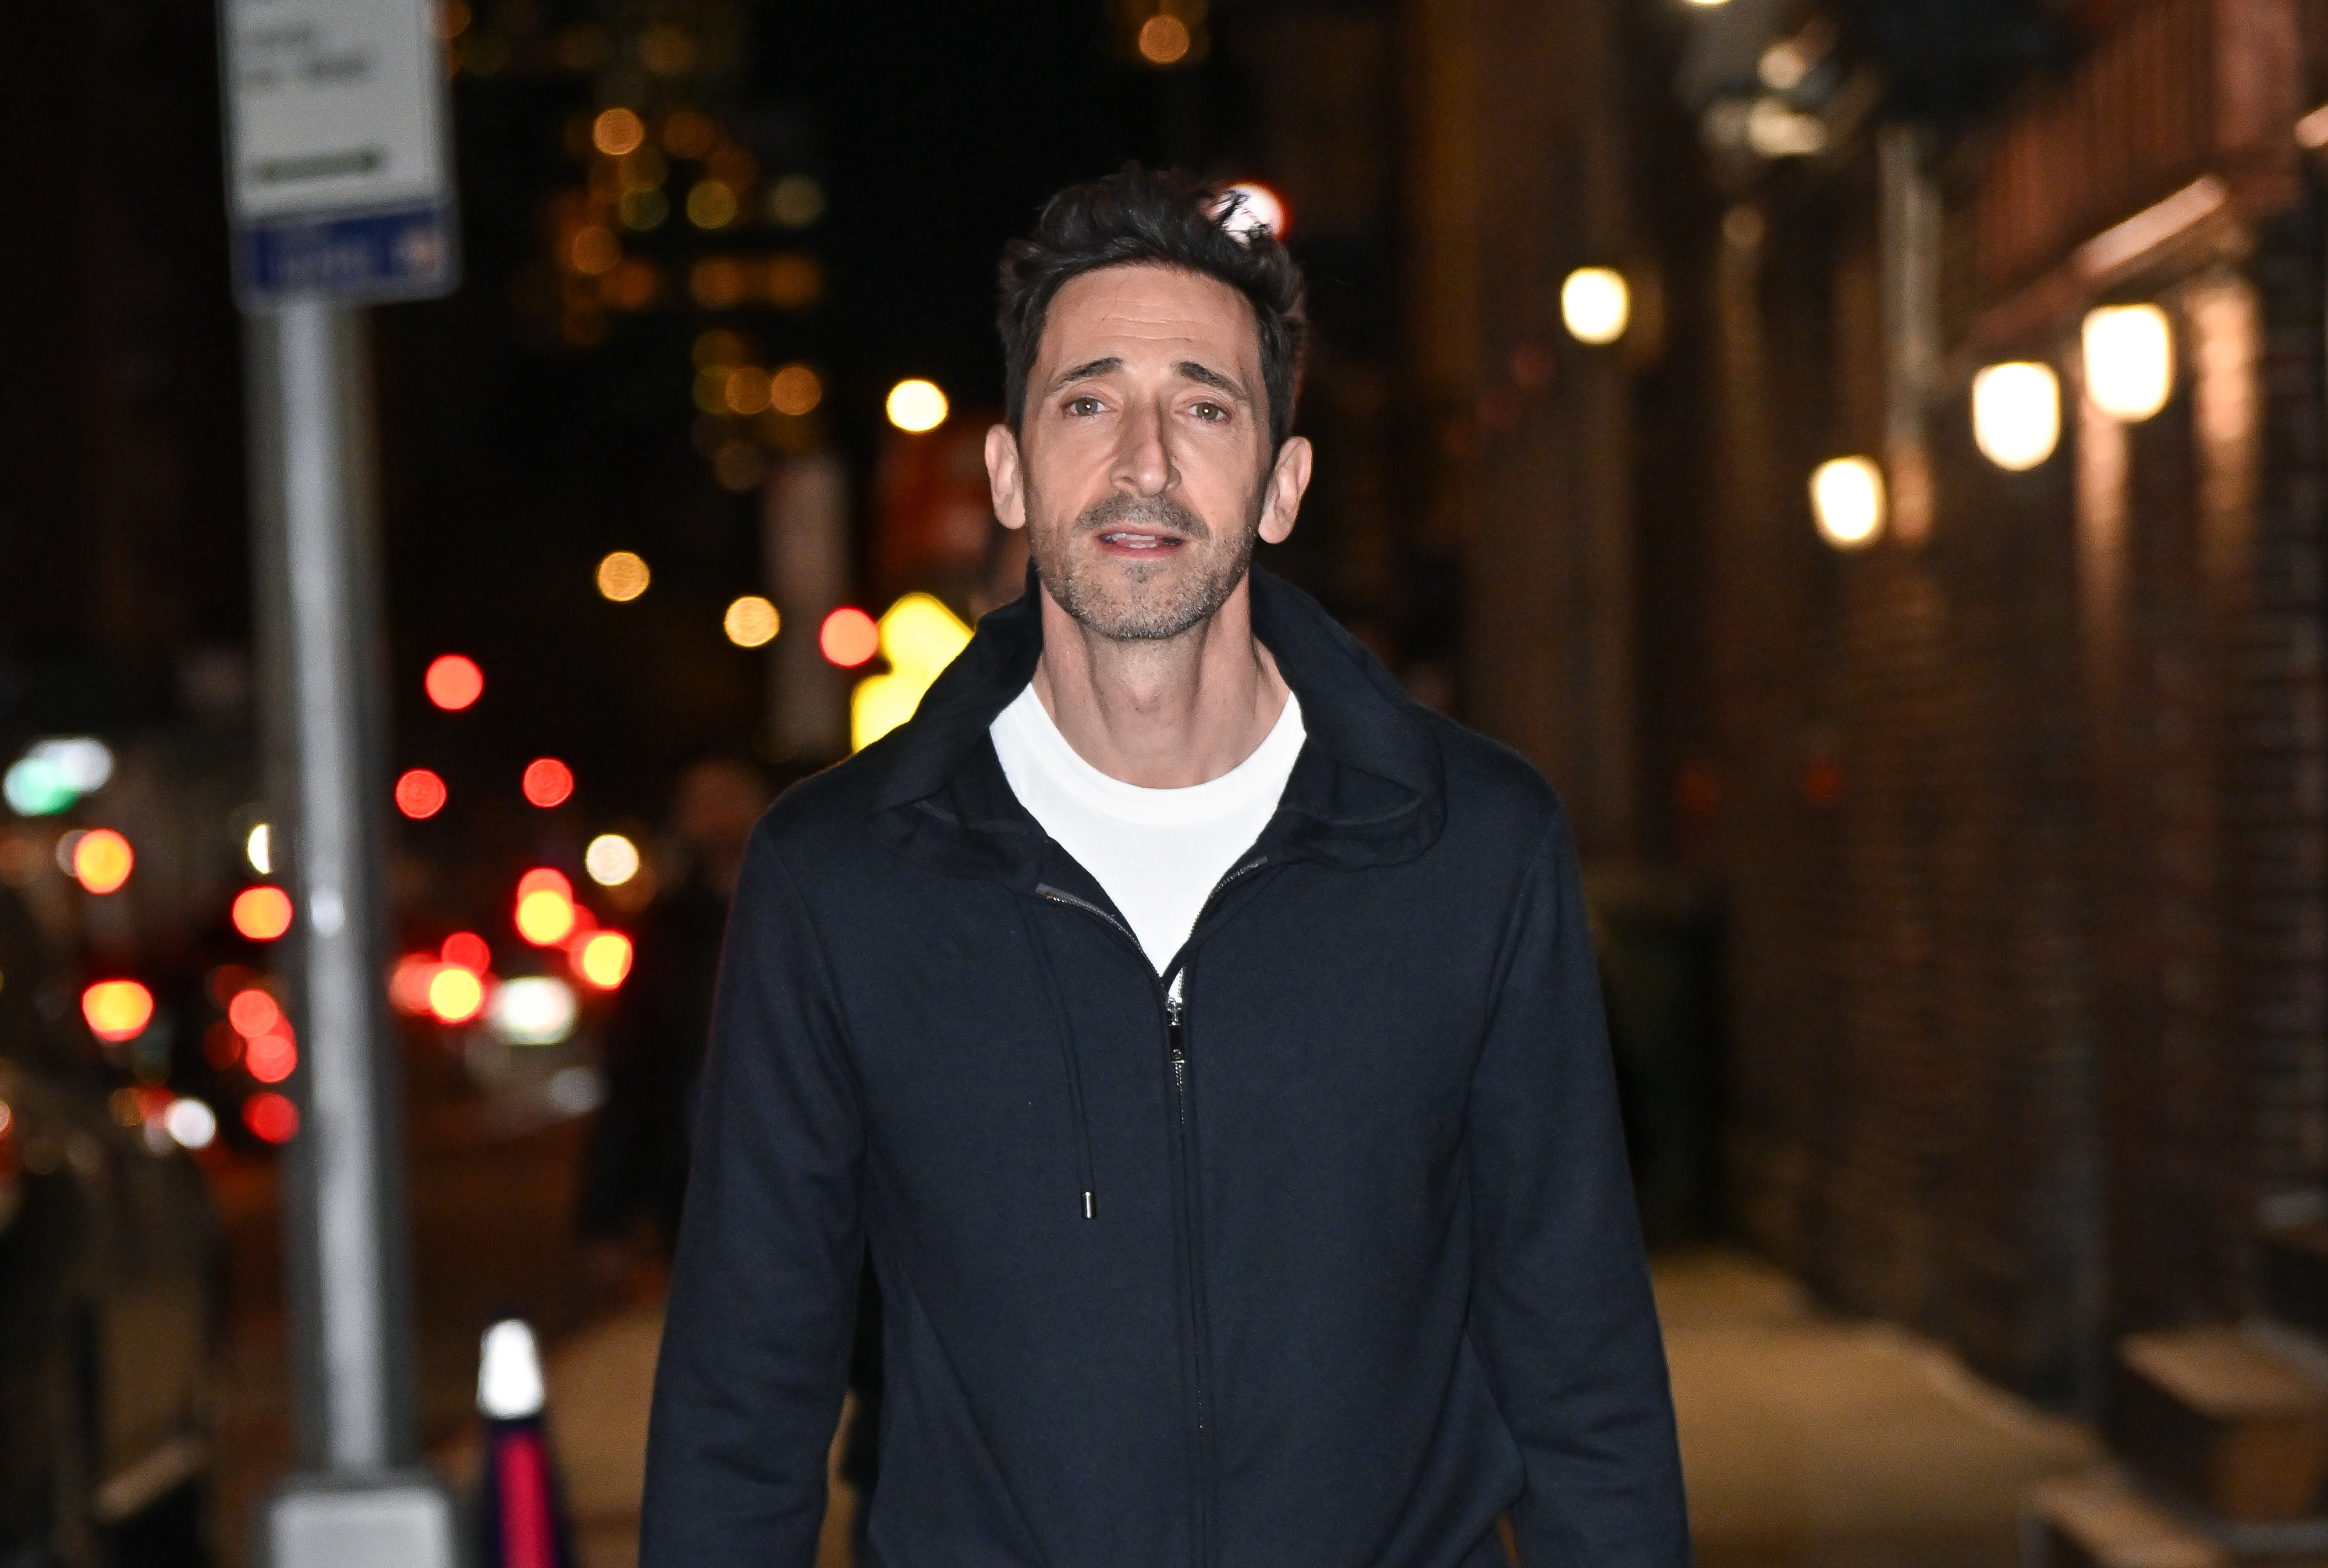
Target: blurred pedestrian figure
635,1168
1201,1037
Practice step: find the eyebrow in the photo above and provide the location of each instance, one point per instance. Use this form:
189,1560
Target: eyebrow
1204,375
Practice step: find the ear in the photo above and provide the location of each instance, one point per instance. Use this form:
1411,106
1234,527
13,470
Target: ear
1005,479
1289,481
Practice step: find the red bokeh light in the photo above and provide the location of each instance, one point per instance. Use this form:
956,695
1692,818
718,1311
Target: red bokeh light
469,950
262,913
454,682
116,1010
420,794
253,1013
849,638
548,781
270,1057
542,879
271,1117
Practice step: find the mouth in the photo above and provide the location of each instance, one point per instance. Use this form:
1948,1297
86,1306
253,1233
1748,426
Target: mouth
1140,542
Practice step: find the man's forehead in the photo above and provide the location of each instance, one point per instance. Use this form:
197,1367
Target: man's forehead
1145,311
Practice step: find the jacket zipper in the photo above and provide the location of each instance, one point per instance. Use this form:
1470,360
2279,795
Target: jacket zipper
1177,1056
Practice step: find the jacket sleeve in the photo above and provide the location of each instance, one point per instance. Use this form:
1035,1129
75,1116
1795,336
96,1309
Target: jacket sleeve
1561,1314
755,1343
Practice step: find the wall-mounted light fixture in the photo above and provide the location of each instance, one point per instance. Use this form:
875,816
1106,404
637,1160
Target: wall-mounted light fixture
2129,360
2017,413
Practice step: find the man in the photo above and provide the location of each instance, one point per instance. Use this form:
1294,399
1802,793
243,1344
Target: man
1202,1037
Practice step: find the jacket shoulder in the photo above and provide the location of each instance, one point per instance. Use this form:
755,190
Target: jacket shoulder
1493,788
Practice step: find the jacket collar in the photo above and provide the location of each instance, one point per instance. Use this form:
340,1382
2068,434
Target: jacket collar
1368,789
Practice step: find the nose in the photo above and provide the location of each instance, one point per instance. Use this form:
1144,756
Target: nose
1144,463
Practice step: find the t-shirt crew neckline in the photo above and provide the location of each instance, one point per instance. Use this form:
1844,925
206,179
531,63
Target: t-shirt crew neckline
1265,771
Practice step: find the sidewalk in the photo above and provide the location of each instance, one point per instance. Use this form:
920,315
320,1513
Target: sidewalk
1807,1441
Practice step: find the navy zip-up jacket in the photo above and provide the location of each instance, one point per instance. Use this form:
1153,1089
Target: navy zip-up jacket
1334,1264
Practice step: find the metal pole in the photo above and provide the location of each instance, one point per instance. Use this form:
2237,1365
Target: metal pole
347,1246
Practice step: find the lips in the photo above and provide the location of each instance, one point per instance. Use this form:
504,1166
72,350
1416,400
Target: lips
1133,539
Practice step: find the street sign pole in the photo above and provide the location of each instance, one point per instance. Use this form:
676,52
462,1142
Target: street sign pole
337,159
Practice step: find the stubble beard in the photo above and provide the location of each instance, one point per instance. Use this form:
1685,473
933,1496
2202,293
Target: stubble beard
1146,602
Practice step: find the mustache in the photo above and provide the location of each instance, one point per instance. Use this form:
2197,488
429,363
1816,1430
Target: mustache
1160,512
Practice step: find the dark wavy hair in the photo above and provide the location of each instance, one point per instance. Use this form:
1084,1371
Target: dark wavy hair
1159,218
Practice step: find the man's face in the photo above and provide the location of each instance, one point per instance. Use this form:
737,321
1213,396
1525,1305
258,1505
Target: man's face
1143,469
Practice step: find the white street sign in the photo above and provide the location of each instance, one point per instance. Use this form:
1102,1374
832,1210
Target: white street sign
338,159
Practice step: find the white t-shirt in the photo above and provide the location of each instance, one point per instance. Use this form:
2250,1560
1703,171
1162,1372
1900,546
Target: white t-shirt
1159,853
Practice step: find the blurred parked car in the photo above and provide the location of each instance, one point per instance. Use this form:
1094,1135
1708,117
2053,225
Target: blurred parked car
107,1296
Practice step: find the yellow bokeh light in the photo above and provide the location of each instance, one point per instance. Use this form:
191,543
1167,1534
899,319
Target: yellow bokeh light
751,621
916,406
919,637
617,131
1847,500
603,959
545,917
2016,414
1163,39
1597,305
710,205
747,391
2129,360
796,389
611,860
623,576
454,994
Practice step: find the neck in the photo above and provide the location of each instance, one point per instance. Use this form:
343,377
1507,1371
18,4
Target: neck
1167,715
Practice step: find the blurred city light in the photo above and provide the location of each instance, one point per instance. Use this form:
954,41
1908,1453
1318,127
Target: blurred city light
1597,305
54,773
617,131
259,849
548,782
916,406
747,389
623,576
611,860
116,1010
269,1057
420,794
602,958
796,389
849,637
751,621
469,950
711,204
262,913
919,637
1252,207
407,984
1775,131
795,201
2129,360
191,1124
545,908
271,1118
454,682
1848,502
2016,414
101,860
454,994
253,1013
1163,39
543,878
532,1010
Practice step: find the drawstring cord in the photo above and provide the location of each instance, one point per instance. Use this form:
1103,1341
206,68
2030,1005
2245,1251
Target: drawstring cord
1069,1059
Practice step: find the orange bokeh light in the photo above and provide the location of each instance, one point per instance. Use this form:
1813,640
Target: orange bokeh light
849,638
116,1010
602,958
101,860
469,950
270,1057
420,794
253,1013
271,1117
548,781
407,984
545,917
454,681
262,913
454,994
541,877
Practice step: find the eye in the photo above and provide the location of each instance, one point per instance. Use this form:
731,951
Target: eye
1211,413
1083,408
